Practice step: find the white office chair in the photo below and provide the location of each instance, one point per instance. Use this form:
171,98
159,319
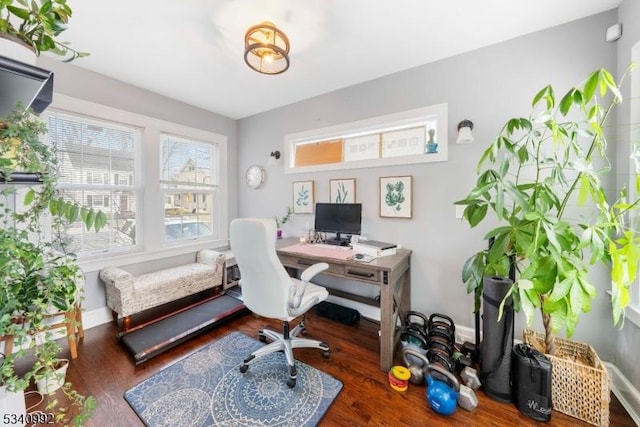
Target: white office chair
267,290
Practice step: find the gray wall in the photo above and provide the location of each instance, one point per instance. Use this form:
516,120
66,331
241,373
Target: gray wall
487,86
79,83
626,342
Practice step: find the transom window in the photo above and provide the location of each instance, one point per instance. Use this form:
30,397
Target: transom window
415,136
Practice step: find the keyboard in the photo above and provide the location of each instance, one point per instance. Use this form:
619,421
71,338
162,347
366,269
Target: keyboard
327,246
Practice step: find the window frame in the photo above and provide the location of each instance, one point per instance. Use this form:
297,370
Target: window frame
151,245
95,181
197,189
381,124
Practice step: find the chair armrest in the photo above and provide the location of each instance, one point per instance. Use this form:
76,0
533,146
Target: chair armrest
311,271
295,294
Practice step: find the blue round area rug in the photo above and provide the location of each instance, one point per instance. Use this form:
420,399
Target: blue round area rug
207,389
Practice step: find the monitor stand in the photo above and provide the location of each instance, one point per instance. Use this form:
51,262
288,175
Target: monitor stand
339,241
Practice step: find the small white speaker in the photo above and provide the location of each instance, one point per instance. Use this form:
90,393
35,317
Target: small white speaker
614,32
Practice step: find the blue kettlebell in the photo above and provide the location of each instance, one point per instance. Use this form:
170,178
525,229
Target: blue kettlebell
442,396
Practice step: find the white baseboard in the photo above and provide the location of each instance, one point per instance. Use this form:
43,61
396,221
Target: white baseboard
96,317
627,394
464,333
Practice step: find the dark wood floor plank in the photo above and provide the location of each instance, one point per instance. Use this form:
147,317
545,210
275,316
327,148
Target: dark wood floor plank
105,370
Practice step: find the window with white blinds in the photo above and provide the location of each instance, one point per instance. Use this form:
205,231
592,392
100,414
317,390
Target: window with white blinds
97,169
189,181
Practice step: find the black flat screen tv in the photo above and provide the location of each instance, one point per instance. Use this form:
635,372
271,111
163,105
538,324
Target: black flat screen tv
338,218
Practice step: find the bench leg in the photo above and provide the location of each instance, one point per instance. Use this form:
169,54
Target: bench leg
126,323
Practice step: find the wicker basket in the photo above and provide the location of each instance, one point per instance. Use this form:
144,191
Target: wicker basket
577,390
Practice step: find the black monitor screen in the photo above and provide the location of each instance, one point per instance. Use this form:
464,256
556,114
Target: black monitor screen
338,217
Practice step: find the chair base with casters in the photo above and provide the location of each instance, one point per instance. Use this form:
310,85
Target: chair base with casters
268,290
285,342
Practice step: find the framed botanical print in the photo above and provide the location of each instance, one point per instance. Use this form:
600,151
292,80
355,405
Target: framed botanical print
303,197
342,190
396,196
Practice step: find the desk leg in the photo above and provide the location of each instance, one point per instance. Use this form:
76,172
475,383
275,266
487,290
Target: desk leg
386,323
395,301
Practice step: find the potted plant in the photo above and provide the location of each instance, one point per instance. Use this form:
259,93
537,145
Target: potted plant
36,24
280,221
38,276
555,218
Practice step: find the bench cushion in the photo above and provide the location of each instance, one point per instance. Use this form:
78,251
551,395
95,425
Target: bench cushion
128,294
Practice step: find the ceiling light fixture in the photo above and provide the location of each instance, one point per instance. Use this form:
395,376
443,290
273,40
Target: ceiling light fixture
266,49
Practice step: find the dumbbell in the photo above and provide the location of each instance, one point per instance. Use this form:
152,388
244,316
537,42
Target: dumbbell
470,378
467,398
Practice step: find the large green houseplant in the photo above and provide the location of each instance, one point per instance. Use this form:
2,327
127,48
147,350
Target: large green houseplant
541,180
36,24
38,276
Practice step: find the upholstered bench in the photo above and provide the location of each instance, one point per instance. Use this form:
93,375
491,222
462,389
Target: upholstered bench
128,294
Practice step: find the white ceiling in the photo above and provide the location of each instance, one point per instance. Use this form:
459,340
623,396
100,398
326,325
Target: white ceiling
192,50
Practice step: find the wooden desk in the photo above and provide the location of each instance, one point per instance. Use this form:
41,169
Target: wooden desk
391,273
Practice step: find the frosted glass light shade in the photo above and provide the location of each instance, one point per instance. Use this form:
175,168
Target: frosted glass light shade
464,132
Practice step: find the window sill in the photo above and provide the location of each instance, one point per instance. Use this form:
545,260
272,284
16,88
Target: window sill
98,263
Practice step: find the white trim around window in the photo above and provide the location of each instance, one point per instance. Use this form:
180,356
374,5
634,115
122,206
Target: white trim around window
376,128
153,245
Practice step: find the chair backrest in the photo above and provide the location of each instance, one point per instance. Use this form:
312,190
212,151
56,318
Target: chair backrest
264,281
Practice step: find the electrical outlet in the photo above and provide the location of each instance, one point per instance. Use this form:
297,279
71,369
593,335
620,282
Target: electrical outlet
460,211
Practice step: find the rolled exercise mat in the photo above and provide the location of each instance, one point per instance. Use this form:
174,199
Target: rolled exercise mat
497,339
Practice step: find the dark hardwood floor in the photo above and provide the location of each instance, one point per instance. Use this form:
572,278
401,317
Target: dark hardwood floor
105,370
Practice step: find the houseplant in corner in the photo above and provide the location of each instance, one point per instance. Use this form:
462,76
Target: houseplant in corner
546,187
38,277
36,24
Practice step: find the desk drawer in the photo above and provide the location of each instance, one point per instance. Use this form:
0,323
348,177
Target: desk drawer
301,264
360,273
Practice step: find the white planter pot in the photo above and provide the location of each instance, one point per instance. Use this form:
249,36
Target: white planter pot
19,52
12,405
54,380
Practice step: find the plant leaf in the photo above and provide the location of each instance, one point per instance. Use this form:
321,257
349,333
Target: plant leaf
561,290
591,85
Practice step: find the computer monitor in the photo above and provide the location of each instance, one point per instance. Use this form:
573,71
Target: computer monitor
338,218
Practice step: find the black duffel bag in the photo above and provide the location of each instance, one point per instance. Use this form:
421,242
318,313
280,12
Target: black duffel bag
531,382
